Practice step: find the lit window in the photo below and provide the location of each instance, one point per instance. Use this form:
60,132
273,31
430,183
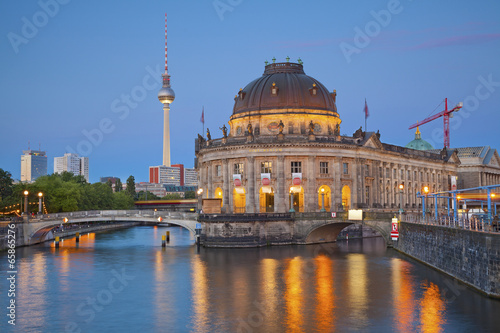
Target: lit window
266,167
296,167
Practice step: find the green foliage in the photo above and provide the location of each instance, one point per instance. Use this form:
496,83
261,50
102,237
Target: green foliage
172,196
131,186
141,196
189,195
118,185
122,200
66,192
5,184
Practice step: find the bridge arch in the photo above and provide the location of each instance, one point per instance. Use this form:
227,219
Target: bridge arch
329,231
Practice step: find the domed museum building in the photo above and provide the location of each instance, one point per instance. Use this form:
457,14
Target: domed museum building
283,150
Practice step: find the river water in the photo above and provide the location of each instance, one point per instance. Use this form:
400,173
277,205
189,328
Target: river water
124,281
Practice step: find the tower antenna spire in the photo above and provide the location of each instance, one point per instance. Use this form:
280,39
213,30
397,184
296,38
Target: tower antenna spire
166,96
166,65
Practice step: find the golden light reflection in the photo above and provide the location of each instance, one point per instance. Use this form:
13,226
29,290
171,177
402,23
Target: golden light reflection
161,301
293,295
32,288
270,292
432,309
403,294
201,304
357,289
325,300
70,244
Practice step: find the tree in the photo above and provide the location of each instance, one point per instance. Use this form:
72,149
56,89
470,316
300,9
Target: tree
5,184
118,185
131,186
189,195
141,196
172,196
122,200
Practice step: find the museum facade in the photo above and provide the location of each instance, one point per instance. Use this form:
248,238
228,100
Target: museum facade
283,151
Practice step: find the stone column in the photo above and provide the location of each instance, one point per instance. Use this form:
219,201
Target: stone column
210,189
355,195
311,195
226,202
337,183
280,195
250,204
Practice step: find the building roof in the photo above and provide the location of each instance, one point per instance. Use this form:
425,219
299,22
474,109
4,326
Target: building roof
293,90
418,143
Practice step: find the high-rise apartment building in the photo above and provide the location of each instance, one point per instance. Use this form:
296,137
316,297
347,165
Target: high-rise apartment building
72,163
175,175
33,165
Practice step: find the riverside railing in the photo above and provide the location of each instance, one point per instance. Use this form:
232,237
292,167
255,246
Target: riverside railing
473,223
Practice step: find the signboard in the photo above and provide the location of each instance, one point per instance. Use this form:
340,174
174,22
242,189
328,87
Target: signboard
394,229
211,206
355,214
237,179
198,225
453,183
296,178
334,214
265,178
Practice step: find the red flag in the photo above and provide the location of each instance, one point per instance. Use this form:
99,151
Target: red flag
202,119
366,110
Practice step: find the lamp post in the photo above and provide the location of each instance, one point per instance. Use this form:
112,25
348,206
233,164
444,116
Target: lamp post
26,205
40,196
200,193
291,201
426,191
322,200
401,188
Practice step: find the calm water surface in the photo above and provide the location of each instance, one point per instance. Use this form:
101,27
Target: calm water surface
125,281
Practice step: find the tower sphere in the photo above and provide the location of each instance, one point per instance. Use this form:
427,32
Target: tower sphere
166,95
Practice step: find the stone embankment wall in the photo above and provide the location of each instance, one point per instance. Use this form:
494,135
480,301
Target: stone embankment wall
470,256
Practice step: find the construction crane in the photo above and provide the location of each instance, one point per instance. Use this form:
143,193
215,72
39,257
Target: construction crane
446,114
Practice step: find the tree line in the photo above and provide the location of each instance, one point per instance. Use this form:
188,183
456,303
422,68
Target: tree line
64,192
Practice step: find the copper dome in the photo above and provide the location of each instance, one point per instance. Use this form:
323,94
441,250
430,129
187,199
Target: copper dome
284,86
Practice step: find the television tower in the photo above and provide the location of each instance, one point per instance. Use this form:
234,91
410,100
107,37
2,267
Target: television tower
166,96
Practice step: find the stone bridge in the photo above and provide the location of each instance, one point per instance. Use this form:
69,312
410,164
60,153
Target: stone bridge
248,230
223,230
39,229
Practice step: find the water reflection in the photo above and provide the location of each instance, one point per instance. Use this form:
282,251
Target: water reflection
269,287
293,295
33,284
325,300
432,309
357,281
200,299
403,295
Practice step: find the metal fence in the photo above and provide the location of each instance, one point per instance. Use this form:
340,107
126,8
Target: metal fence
473,223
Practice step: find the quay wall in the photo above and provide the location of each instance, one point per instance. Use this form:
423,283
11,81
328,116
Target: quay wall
472,257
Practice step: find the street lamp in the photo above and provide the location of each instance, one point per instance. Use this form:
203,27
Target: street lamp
200,193
426,191
40,196
322,200
26,204
401,188
291,201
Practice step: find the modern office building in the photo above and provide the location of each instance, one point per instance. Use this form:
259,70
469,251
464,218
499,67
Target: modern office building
33,165
190,177
72,163
175,175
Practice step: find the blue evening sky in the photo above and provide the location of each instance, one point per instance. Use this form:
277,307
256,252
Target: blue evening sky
94,67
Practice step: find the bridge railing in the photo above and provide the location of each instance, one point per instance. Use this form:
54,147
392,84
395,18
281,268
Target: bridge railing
475,223
114,213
